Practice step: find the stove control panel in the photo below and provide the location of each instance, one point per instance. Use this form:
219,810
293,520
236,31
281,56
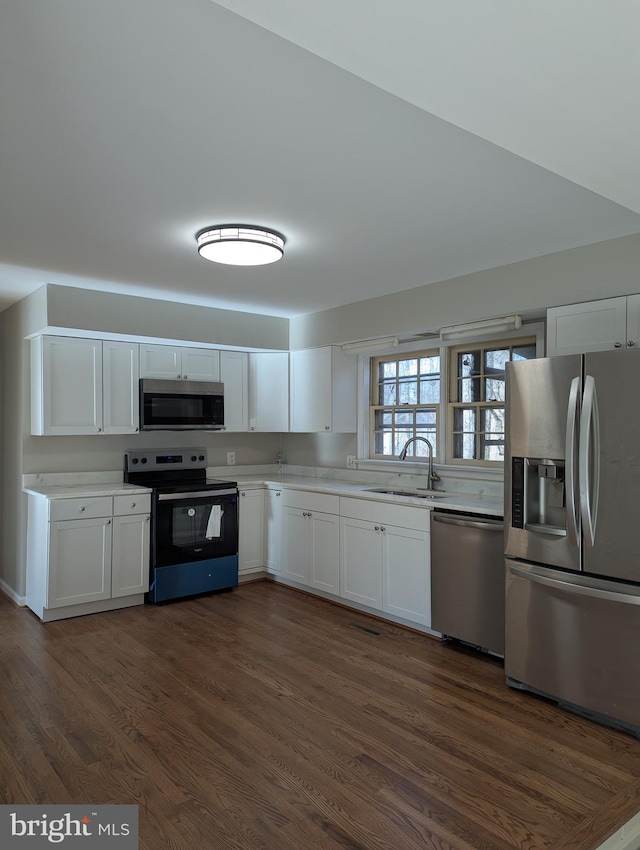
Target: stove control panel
159,459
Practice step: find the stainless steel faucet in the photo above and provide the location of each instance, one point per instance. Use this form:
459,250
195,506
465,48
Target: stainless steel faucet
432,475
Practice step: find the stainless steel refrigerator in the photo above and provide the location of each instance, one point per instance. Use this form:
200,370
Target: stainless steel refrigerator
572,532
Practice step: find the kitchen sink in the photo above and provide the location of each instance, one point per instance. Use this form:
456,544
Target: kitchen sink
413,494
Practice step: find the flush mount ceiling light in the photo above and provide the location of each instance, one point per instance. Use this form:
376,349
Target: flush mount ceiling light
240,245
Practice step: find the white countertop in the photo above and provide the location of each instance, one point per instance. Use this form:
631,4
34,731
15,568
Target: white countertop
81,491
490,505
484,504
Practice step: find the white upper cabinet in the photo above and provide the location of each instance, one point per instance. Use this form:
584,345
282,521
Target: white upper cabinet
66,385
269,391
234,374
323,391
120,374
171,362
83,386
594,326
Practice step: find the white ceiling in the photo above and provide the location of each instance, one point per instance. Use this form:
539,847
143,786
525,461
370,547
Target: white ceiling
394,145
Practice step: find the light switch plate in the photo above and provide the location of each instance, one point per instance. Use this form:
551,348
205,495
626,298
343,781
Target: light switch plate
231,458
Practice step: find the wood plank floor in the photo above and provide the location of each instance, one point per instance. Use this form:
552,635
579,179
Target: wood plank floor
262,719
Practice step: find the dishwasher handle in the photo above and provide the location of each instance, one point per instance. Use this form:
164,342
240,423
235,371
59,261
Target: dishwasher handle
469,522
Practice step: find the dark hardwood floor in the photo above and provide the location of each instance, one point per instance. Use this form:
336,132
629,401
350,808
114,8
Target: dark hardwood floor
262,718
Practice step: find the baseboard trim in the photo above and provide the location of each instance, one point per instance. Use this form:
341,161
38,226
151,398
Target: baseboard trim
10,593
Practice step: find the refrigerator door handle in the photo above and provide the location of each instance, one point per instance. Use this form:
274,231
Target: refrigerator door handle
570,466
573,587
589,461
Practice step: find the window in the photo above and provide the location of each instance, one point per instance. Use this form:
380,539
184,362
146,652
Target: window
405,403
476,398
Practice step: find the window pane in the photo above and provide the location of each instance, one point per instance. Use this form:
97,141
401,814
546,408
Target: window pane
430,391
387,393
494,421
407,392
403,418
469,364
469,389
429,365
496,359
524,352
494,389
388,370
407,368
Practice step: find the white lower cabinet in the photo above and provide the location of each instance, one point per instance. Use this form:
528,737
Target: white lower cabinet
406,585
361,562
86,554
310,539
251,531
385,558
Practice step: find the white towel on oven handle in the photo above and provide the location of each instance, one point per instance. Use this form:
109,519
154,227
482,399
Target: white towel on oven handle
214,522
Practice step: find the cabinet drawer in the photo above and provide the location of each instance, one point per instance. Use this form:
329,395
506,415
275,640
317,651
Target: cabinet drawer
95,506
403,516
132,503
324,502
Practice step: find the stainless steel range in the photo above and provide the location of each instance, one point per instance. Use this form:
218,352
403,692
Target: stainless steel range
194,522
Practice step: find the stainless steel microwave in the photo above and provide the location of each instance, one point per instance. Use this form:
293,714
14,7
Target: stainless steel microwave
181,405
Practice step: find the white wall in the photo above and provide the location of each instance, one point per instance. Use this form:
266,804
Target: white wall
580,274
104,312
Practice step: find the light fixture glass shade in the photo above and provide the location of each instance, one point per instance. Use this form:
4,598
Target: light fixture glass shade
240,245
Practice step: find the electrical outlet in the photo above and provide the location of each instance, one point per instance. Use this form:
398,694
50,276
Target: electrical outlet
231,458
351,461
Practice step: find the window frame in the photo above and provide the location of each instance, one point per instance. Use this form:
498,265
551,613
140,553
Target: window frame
453,382
374,405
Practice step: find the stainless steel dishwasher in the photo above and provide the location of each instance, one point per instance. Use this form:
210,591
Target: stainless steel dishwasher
468,578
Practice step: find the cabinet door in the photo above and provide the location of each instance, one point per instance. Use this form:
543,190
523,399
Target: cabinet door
67,388
406,585
120,379
295,544
633,321
251,531
234,374
361,562
273,528
269,391
161,361
311,390
130,561
200,364
324,552
593,326
79,561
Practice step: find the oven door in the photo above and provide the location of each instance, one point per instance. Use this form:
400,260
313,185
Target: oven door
194,526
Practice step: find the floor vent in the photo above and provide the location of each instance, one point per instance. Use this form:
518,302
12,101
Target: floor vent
364,629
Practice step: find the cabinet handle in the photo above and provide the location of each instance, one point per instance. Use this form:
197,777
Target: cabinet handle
382,528
277,494
82,509
133,504
242,494
184,377
631,343
99,429
376,527
178,376
137,429
147,518
108,522
617,345
326,428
